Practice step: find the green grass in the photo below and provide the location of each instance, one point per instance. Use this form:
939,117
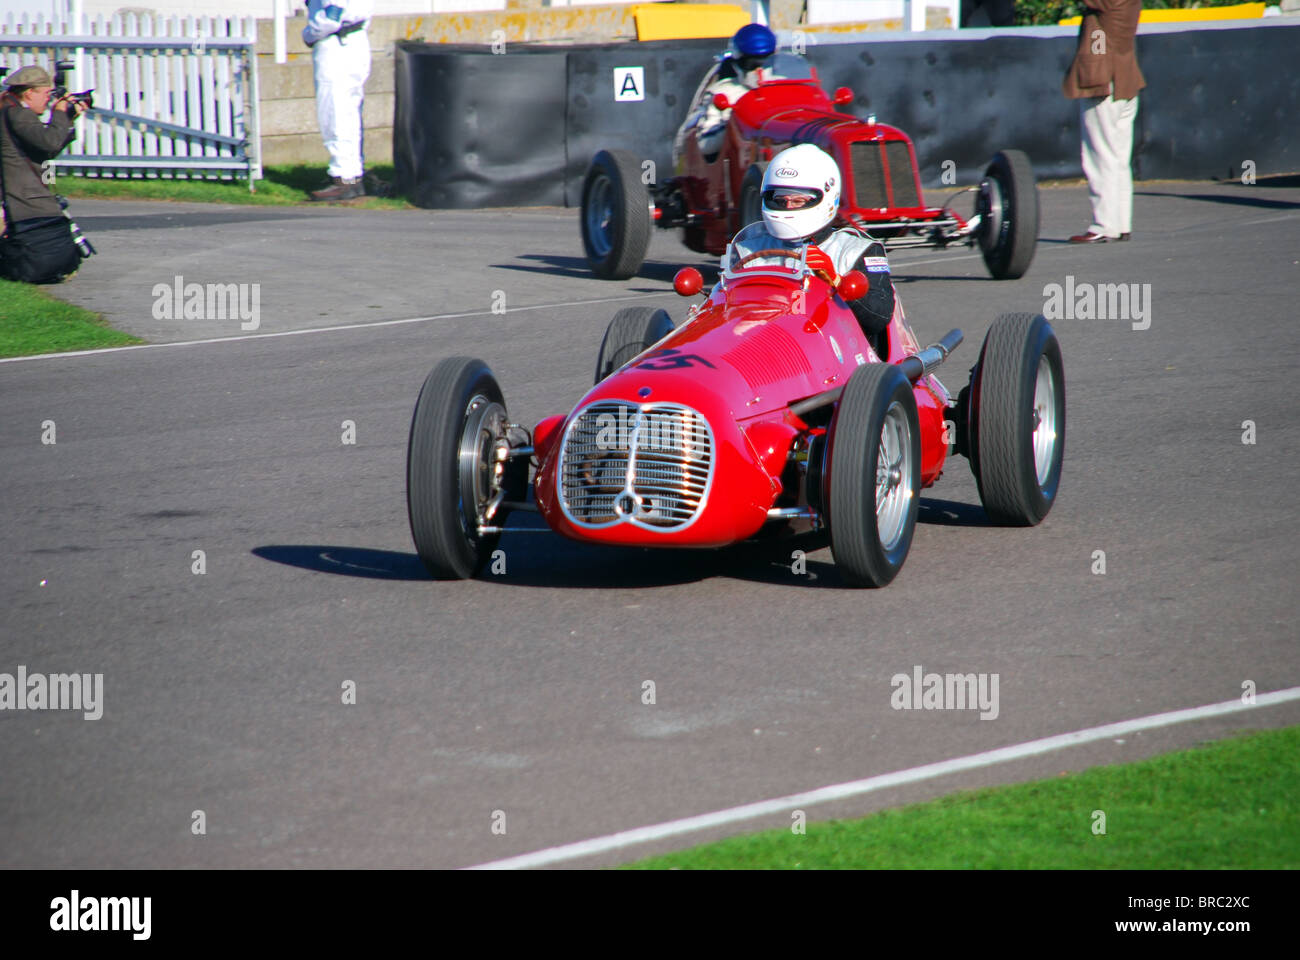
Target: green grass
280,186
1230,804
32,321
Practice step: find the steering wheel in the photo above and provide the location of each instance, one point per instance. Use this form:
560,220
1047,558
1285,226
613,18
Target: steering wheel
784,254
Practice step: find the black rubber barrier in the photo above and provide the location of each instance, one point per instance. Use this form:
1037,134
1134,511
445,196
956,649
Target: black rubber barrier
473,129
477,129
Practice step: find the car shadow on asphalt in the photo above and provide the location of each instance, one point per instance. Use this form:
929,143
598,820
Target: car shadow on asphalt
1262,203
951,513
346,561
533,556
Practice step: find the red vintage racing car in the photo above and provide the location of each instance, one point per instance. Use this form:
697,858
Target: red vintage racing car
766,412
711,199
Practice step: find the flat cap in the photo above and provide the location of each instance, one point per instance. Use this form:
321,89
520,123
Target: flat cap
29,76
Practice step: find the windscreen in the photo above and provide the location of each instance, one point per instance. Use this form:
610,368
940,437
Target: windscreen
788,66
754,251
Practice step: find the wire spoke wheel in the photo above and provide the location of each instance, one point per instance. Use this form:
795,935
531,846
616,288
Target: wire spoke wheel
872,478
893,496
1016,419
1044,421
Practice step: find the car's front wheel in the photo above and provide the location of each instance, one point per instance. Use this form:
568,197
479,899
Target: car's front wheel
872,478
456,473
616,217
633,330
1008,206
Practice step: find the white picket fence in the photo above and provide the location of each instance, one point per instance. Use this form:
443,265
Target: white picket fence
174,96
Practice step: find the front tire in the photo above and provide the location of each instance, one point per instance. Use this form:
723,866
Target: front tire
873,475
451,471
633,330
1008,205
1017,419
616,215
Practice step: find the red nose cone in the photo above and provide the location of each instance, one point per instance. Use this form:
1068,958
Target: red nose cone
852,285
688,282
842,95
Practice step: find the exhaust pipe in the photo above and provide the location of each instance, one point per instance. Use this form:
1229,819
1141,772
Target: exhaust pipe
927,361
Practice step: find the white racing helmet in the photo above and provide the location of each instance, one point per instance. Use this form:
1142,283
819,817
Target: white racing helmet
801,192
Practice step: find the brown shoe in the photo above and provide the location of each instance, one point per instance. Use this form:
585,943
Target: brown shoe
340,188
1089,237
1125,236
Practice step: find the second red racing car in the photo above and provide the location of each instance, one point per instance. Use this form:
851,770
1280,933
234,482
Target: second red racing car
711,197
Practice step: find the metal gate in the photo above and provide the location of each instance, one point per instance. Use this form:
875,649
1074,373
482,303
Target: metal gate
174,97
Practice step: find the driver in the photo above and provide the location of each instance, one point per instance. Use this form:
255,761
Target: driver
801,197
735,75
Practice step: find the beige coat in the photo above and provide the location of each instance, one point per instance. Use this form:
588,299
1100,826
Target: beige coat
1106,52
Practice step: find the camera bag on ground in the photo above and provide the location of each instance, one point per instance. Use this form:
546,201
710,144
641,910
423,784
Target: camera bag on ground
39,249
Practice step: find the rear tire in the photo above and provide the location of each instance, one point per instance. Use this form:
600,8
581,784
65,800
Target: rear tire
450,474
1017,419
632,331
616,216
751,195
873,475
1008,204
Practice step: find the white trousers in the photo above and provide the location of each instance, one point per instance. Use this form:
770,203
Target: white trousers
1107,161
341,69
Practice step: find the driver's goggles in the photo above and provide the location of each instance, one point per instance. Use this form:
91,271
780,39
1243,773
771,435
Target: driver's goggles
790,198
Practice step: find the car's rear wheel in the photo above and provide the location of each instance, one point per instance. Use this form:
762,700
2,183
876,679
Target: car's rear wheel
616,217
632,330
1008,206
872,481
453,468
1017,419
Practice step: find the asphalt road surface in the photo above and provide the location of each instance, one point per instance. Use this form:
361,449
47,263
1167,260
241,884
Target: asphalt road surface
515,700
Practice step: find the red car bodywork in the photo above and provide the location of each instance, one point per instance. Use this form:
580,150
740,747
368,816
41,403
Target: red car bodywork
744,356
882,185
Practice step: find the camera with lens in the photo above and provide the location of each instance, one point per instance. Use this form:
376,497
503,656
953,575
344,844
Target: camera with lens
61,68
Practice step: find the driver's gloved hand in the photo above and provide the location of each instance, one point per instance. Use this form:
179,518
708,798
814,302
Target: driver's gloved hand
819,259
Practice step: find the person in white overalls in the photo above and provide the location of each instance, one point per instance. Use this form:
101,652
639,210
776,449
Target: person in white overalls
336,33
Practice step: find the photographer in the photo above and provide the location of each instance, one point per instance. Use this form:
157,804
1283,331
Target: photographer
37,244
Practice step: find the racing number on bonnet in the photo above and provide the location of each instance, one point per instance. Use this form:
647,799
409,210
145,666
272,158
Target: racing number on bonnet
670,359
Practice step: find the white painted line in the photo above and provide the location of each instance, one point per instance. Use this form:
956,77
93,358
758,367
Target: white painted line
345,326
627,838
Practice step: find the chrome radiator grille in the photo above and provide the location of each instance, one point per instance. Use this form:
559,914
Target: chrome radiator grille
649,465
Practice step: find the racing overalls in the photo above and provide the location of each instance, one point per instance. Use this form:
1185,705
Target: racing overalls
336,32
